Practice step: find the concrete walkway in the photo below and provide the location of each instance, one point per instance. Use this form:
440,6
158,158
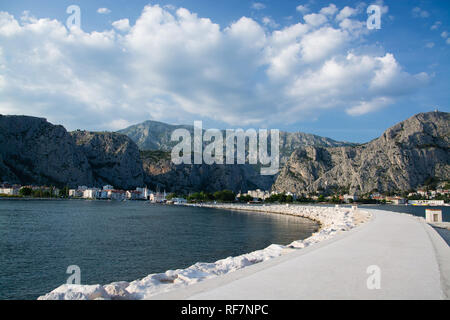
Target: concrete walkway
413,260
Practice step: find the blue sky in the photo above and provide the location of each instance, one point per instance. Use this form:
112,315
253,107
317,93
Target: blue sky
308,66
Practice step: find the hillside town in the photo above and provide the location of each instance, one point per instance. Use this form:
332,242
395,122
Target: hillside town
108,192
437,197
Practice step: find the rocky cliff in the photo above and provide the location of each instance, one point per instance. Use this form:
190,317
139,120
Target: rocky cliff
114,158
34,151
155,139
403,158
153,135
163,174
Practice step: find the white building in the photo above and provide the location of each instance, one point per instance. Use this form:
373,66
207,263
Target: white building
145,193
118,195
91,193
103,194
427,202
179,201
108,187
134,195
259,194
433,216
348,198
10,191
158,197
75,193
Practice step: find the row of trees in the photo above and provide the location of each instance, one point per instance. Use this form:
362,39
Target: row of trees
44,192
222,196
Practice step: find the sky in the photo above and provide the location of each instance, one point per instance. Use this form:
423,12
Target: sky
310,66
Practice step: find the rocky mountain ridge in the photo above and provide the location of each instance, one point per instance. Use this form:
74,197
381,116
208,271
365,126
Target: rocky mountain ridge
403,158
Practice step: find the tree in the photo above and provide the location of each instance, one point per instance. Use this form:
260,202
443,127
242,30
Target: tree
245,198
225,196
64,192
25,191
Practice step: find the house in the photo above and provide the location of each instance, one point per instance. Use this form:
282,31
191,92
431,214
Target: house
259,194
396,200
103,194
134,195
118,195
76,193
91,193
158,197
350,198
10,191
145,193
179,200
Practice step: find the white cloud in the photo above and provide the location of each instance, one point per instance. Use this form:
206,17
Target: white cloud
430,45
330,10
345,13
315,19
365,107
122,25
444,34
436,25
177,67
302,9
448,41
420,13
258,6
268,21
103,11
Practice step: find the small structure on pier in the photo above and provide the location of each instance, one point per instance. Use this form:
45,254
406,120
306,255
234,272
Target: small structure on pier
433,215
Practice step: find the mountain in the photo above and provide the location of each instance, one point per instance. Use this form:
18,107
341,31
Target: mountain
34,151
162,174
406,156
114,158
153,135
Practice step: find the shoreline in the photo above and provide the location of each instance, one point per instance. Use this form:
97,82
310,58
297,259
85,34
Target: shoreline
332,221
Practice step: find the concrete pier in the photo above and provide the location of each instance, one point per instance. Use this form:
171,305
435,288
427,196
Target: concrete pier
394,256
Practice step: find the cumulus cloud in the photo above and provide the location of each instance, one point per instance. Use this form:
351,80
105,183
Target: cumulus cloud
302,9
315,19
420,13
122,25
330,10
345,13
176,66
103,11
258,6
436,25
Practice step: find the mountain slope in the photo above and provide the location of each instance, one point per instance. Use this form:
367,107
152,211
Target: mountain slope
404,157
153,135
34,151
114,158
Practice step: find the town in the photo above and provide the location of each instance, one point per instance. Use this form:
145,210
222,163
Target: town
422,197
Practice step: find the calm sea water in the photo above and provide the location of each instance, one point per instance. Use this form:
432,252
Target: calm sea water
116,241
414,210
